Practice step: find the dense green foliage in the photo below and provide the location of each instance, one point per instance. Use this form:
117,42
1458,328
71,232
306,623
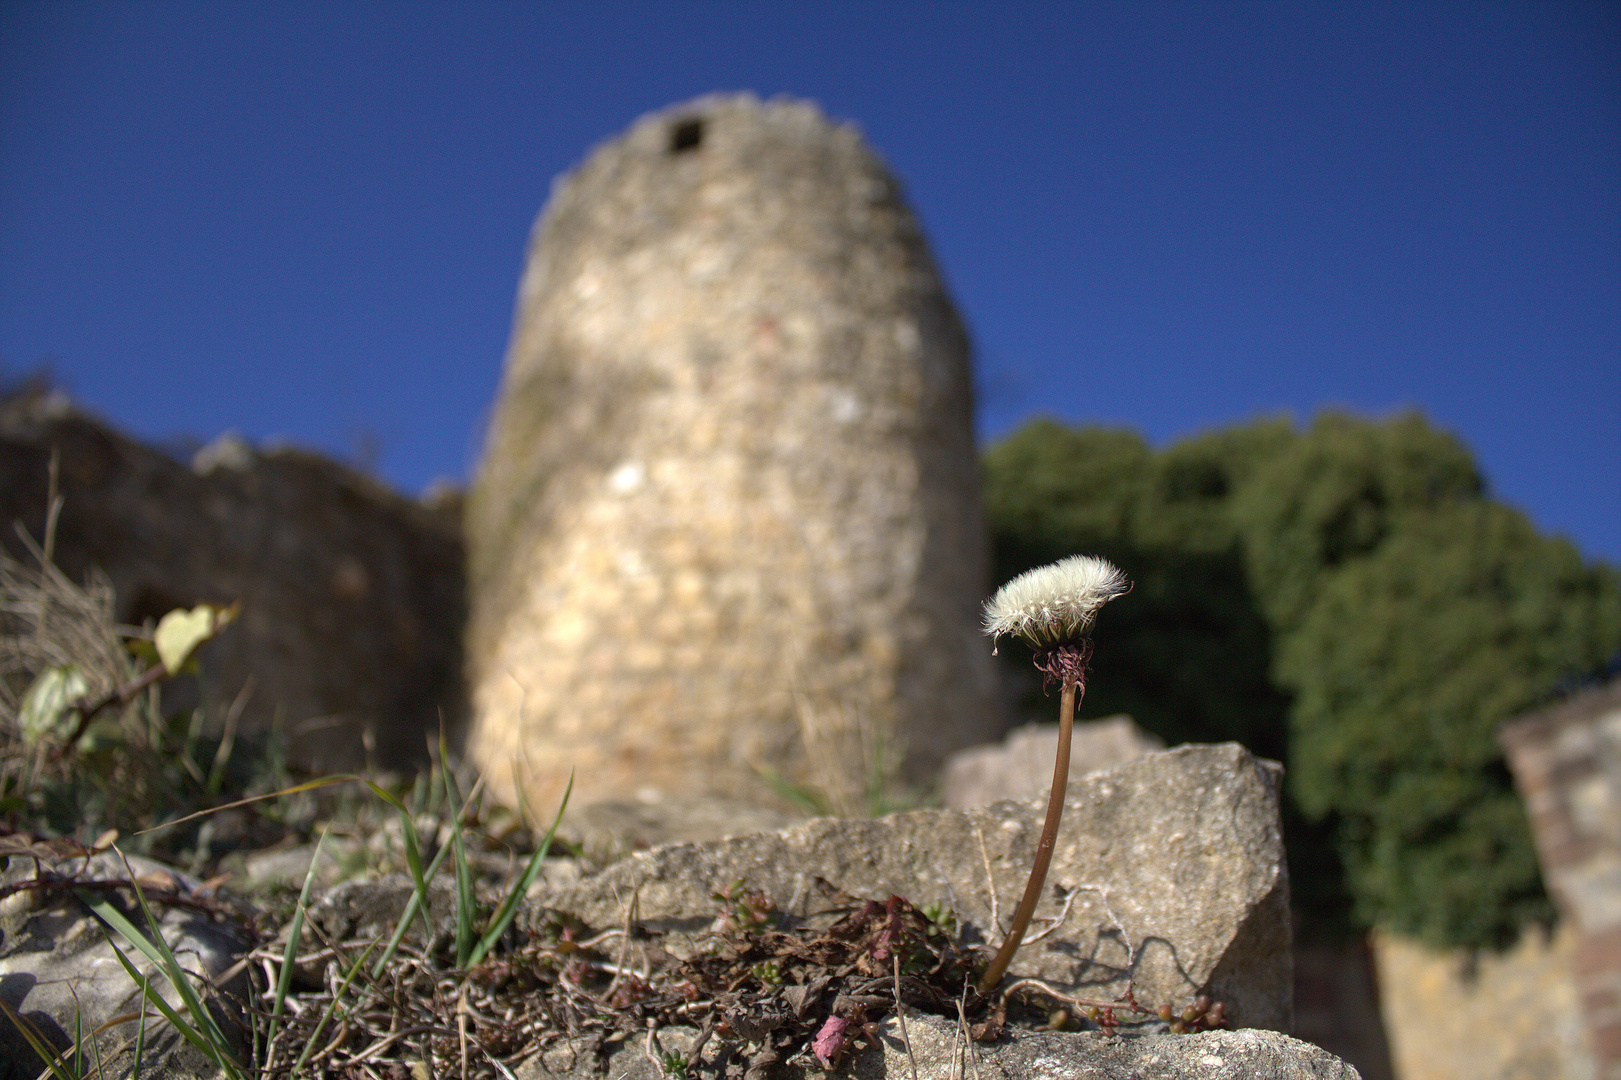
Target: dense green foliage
1346,599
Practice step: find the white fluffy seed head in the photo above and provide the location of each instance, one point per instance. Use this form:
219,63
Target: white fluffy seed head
1053,604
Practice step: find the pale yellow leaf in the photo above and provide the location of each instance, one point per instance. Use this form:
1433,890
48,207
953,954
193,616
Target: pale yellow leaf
181,631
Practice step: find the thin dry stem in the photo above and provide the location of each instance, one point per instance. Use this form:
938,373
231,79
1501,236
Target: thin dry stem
1066,664
1056,921
1044,849
900,1014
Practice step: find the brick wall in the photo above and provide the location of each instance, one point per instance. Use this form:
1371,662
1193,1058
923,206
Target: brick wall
1567,765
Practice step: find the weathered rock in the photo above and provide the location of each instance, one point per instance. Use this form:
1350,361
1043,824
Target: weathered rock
1021,765
606,831
58,970
1172,865
352,596
727,519
938,1051
286,867
371,910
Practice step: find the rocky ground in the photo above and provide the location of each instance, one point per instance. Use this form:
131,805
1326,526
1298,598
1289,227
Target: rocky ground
843,945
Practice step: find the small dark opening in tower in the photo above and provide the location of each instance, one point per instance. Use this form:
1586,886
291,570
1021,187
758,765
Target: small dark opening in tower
686,134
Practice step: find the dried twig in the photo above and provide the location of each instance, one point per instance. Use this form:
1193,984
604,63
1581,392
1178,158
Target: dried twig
900,1014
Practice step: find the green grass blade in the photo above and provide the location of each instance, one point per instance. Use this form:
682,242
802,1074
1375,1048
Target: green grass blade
295,931
178,1022
140,1041
115,919
296,789
453,794
465,900
222,752
418,900
413,848
177,975
509,905
78,1033
158,952
807,799
210,1040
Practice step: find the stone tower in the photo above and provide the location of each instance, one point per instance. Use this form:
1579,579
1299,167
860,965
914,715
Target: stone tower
727,523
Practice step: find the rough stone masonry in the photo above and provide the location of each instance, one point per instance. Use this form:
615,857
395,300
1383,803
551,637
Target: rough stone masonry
1567,764
352,596
727,522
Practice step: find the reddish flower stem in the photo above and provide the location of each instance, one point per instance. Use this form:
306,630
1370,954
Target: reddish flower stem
1073,681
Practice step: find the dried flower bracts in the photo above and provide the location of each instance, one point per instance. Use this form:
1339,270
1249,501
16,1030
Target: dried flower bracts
1056,604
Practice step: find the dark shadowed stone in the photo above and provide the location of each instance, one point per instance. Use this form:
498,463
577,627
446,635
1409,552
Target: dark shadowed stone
352,601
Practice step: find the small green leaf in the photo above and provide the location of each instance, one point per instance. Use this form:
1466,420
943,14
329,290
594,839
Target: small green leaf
143,651
181,631
47,705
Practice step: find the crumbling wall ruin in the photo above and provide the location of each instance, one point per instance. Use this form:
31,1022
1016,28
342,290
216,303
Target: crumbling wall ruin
352,596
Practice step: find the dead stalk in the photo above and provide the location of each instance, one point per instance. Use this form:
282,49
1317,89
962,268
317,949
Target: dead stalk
1044,847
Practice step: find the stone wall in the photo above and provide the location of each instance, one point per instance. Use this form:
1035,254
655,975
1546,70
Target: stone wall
1567,764
727,520
1460,1015
352,596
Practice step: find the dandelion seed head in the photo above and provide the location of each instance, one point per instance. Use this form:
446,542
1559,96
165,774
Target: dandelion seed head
1053,604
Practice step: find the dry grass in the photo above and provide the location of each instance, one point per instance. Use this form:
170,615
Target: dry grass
110,777
46,620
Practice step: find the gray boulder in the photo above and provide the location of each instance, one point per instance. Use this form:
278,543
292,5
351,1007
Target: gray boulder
1021,765
934,1048
727,521
58,970
1168,877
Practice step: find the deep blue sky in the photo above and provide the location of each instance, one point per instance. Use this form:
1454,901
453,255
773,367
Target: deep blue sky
307,220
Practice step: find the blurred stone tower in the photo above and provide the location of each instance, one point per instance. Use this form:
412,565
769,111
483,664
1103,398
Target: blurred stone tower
727,523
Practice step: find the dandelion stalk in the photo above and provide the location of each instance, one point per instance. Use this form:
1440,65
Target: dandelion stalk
1052,608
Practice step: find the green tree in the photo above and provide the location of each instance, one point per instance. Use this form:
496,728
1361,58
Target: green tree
1337,491
1346,599
1188,653
1404,663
